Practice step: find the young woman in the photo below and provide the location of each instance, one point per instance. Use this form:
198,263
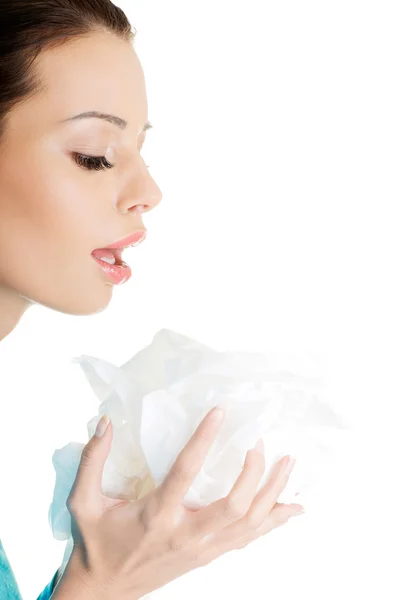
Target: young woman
73,119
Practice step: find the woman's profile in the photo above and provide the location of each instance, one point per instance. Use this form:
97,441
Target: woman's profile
74,188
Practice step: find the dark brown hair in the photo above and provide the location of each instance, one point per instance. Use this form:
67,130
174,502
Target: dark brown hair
29,26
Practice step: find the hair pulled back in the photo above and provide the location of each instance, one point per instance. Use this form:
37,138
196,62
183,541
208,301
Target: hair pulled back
27,27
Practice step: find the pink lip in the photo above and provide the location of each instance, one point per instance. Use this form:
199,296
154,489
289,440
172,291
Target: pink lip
119,272
136,237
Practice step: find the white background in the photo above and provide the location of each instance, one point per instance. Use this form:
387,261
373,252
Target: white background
276,146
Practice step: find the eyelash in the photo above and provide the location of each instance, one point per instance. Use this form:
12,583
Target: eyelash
93,163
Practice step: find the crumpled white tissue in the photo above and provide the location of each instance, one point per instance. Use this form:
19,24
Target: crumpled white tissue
158,398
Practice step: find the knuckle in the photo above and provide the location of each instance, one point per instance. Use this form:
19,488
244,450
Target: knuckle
72,504
266,527
253,519
77,509
157,519
80,509
175,545
188,551
181,470
154,524
232,509
86,456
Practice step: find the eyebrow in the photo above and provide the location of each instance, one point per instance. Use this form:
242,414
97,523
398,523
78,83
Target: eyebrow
121,123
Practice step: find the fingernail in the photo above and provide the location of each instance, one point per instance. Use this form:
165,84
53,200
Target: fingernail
260,447
217,414
299,511
102,426
290,465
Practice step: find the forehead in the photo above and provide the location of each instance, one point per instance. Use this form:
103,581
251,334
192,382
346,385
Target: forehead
96,72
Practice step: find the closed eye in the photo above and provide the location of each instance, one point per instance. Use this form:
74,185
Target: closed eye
92,163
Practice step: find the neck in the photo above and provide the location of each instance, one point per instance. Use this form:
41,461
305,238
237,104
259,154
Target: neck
12,307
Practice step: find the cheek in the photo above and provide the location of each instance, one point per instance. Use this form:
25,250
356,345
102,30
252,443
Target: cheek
52,215
51,218
55,209
76,206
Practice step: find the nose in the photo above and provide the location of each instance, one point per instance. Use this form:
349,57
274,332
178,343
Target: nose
141,194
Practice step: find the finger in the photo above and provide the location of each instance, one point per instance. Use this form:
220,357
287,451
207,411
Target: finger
229,509
244,546
279,515
267,497
235,538
190,460
87,488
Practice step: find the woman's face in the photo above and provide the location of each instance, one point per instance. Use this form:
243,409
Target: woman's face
54,211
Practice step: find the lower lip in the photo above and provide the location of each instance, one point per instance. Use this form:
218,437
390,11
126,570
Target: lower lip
117,274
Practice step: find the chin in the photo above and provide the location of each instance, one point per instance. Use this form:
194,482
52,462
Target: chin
81,302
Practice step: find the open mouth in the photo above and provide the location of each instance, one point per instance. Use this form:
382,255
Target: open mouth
110,259
109,256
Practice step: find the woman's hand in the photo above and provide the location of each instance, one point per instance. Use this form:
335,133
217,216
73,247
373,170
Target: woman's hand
128,549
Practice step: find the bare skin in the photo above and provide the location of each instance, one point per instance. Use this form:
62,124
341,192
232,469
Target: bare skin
53,214
53,211
125,550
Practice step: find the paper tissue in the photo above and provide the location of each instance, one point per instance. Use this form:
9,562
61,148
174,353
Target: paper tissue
158,398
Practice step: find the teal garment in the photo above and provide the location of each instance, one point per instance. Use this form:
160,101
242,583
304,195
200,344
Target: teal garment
8,586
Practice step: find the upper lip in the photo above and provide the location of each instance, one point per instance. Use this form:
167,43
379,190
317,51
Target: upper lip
133,239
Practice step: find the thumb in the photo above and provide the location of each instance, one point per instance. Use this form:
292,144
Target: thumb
87,489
